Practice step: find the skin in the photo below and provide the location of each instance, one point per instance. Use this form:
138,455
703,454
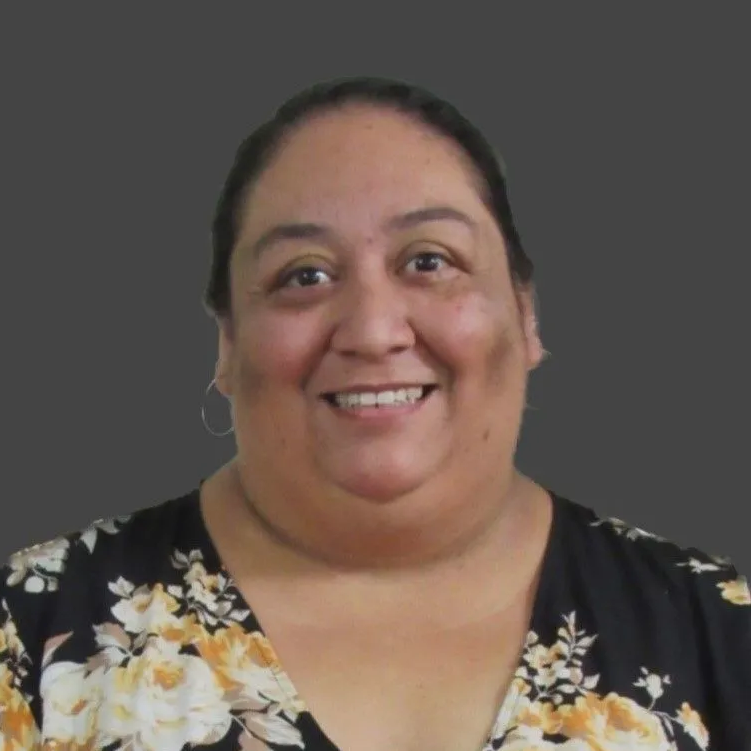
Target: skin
412,536
367,300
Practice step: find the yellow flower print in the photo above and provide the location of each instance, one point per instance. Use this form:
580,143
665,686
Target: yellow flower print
232,652
613,722
572,711
12,650
144,609
539,657
196,575
556,671
525,738
539,714
246,664
18,729
9,641
736,591
692,723
180,630
162,700
211,597
520,686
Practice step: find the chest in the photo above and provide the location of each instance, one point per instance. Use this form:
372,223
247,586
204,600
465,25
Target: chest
401,688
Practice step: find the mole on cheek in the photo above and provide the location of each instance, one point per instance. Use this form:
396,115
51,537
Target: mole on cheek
486,435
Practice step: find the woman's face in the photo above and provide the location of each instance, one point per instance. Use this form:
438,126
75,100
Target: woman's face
376,344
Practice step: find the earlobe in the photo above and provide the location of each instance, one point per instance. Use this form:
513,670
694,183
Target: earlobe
536,353
221,381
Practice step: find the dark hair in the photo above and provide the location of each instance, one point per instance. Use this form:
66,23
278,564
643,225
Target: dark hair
257,150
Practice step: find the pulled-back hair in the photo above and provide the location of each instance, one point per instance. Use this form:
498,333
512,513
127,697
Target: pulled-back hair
259,148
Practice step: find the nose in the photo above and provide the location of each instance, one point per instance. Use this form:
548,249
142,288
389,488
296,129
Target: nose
372,321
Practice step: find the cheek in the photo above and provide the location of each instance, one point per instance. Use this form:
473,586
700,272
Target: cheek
475,334
278,350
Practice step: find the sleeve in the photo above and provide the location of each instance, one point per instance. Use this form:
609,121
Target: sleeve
18,727
724,600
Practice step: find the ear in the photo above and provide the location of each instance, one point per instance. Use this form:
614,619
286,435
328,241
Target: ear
533,343
224,361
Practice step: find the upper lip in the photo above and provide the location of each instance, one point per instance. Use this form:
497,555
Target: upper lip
359,388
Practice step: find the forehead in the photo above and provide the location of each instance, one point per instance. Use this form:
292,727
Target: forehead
357,164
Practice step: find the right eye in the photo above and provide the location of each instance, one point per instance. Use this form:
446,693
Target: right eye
305,276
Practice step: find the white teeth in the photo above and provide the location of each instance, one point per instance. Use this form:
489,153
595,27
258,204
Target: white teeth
368,400
391,398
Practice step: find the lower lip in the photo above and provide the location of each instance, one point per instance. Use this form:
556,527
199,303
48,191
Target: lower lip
379,414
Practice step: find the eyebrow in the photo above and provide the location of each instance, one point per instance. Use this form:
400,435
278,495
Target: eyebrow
408,220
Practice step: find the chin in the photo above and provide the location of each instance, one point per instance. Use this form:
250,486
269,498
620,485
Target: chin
380,484
379,491
381,475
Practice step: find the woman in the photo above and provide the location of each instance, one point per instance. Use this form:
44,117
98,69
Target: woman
371,571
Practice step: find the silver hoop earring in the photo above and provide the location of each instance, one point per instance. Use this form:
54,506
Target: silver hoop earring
203,414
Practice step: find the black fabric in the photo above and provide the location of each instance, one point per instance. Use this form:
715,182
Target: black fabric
130,634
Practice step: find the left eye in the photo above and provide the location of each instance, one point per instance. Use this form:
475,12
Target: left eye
426,262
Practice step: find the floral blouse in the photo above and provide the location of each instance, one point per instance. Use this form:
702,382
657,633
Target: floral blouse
131,635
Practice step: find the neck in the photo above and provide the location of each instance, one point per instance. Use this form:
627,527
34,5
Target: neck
410,538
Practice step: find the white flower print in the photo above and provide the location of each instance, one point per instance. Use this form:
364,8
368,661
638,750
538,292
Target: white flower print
556,671
698,566
246,665
70,698
10,643
109,526
555,698
39,566
151,657
145,609
626,530
211,597
653,684
734,587
162,700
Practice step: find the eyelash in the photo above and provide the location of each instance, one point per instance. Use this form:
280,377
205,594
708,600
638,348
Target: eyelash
429,254
294,273
287,277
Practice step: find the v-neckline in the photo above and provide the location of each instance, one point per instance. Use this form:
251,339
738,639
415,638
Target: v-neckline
508,707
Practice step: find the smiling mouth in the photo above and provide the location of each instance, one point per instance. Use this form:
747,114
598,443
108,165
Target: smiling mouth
380,399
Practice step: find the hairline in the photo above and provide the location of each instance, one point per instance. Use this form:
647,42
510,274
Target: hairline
289,129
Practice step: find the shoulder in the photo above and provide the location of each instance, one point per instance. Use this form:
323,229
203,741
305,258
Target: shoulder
61,574
696,604
39,568
665,564
50,589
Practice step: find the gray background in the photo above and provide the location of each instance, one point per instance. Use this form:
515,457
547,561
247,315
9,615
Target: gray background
626,135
